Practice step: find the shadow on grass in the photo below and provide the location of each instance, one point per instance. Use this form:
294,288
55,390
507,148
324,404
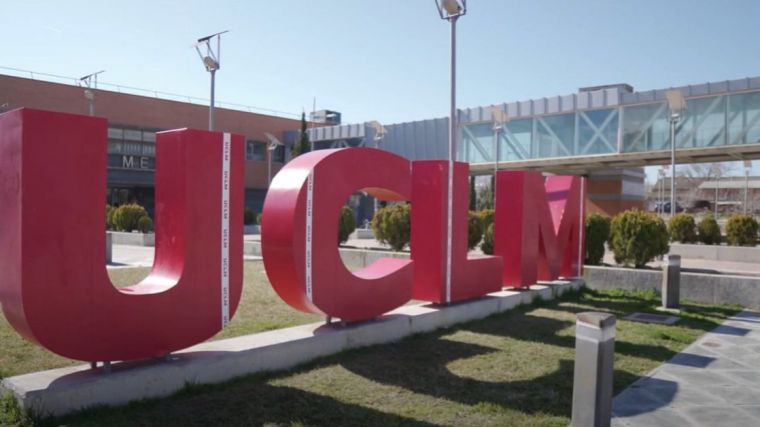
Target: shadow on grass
248,402
422,365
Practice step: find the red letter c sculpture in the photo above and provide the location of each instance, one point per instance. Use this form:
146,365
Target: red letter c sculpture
54,288
300,232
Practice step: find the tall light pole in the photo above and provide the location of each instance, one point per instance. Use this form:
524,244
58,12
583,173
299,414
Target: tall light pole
451,10
91,82
378,136
676,104
211,60
271,146
500,119
747,167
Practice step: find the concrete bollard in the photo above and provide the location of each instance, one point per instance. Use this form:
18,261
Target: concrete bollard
109,247
592,381
671,281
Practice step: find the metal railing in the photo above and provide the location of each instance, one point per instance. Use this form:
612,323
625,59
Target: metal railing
54,78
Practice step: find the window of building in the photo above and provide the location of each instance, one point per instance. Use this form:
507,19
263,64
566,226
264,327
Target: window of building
255,150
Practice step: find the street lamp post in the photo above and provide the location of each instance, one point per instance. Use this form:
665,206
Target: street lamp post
500,119
451,10
271,146
379,134
676,104
747,166
211,60
91,82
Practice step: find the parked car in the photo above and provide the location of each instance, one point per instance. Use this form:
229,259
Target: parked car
665,206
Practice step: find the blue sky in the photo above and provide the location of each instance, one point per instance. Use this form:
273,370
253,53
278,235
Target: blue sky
386,60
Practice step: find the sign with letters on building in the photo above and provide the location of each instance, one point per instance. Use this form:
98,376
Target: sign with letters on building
55,290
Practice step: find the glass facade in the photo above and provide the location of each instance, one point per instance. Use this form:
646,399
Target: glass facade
710,121
575,134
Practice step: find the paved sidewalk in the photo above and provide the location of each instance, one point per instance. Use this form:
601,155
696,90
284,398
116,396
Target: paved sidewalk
127,256
705,266
713,382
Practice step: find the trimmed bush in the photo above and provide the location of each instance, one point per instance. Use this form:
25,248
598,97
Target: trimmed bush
392,225
486,216
347,224
487,245
474,229
145,224
682,228
248,217
708,231
126,216
637,237
109,216
597,234
741,230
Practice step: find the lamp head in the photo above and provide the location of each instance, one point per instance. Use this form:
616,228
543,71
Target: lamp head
379,130
676,102
450,9
273,141
498,116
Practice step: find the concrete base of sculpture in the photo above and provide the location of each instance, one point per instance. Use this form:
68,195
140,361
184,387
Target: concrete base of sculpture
60,391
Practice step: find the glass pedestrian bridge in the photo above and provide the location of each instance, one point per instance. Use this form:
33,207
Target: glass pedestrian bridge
604,127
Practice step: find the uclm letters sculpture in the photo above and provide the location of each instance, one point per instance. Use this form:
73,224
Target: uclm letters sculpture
55,290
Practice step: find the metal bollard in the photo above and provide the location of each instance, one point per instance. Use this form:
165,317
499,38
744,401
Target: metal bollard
592,381
109,247
671,281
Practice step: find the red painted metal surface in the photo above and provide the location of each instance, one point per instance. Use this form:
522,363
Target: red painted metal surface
538,227
54,288
470,277
321,283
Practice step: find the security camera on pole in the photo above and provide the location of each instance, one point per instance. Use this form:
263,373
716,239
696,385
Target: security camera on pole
211,60
273,144
91,82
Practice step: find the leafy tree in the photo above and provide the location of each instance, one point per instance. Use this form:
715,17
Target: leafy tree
301,146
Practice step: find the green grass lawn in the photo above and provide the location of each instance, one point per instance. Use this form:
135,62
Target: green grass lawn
260,309
515,368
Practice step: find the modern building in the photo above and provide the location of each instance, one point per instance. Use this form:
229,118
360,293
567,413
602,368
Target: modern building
604,132
607,133
133,123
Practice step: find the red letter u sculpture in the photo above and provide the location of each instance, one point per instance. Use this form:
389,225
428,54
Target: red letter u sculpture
299,234
55,290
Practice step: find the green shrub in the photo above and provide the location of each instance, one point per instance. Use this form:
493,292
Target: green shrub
682,228
347,224
109,216
127,216
487,245
392,225
709,231
597,234
474,229
741,230
145,224
258,219
248,217
637,237
486,216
